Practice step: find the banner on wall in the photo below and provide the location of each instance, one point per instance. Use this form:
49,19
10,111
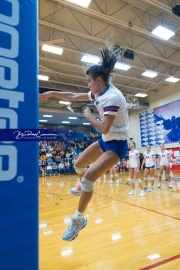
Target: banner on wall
18,160
161,125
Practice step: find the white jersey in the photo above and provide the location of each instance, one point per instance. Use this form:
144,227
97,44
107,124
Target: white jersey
149,157
112,102
133,161
164,157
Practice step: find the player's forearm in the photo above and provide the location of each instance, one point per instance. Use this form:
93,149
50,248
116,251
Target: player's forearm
67,96
100,126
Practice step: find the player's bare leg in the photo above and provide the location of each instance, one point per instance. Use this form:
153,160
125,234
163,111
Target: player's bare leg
104,163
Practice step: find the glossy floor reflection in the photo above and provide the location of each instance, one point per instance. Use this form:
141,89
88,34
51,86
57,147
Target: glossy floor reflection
123,232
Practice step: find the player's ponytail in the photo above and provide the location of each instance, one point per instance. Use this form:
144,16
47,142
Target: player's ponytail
110,55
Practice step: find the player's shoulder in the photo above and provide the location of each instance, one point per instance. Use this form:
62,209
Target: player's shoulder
114,92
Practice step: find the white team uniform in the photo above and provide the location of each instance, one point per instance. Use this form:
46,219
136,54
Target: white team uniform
112,102
149,159
164,157
133,158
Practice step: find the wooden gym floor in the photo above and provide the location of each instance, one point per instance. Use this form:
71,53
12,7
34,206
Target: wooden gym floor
123,232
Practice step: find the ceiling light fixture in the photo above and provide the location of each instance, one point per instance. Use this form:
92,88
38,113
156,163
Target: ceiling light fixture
47,115
122,66
43,78
82,3
43,120
150,74
65,122
72,117
64,102
172,79
91,59
140,95
86,123
163,32
52,49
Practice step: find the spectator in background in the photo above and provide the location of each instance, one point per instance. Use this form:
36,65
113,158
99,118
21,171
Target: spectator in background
48,154
59,147
66,167
54,168
61,167
49,169
43,156
58,158
49,160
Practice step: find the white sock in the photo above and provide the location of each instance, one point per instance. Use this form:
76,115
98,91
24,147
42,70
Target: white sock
78,215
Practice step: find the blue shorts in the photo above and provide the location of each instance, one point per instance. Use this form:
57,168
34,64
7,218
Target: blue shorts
152,167
119,147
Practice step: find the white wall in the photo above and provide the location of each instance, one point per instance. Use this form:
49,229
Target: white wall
156,98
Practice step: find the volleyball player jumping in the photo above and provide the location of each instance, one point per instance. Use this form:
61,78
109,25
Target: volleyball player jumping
114,126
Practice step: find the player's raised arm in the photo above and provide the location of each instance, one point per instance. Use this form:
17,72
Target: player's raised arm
68,96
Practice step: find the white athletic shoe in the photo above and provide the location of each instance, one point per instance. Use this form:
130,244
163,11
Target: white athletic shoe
110,182
142,193
159,185
76,191
118,181
151,189
145,187
169,185
73,229
132,192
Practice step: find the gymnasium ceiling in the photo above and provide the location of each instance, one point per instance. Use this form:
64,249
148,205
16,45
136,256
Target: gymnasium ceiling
80,31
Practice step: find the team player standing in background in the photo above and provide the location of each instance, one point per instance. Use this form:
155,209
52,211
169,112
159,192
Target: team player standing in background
150,161
164,164
134,165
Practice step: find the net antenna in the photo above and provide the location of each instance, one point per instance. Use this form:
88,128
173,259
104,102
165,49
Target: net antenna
68,106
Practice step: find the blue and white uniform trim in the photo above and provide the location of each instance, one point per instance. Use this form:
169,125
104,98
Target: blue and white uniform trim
111,109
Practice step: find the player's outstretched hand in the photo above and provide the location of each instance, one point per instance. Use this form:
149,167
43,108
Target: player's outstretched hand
44,96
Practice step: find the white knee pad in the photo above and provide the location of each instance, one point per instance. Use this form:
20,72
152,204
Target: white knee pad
139,181
80,170
87,185
151,178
